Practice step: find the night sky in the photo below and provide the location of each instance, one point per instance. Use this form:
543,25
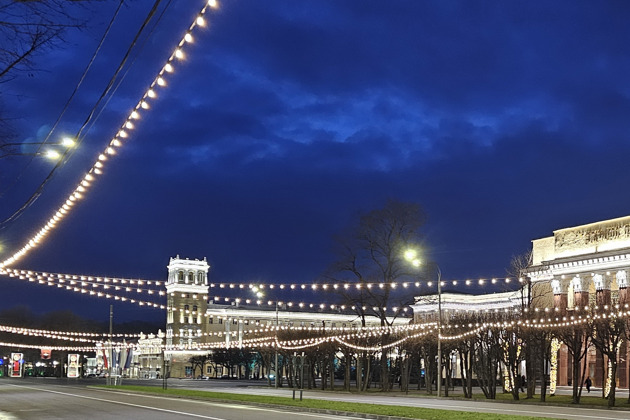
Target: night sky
505,120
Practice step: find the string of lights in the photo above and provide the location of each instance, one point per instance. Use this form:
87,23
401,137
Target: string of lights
385,330
78,286
354,285
579,314
77,334
303,305
148,285
116,142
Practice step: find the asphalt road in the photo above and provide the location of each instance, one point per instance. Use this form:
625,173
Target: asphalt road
46,398
49,399
396,398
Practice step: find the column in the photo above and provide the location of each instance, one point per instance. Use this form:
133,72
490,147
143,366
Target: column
602,289
602,298
560,287
580,291
622,282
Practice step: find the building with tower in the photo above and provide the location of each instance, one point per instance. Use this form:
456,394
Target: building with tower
192,322
187,303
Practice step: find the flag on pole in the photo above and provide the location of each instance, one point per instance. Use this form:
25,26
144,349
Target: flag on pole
105,364
129,357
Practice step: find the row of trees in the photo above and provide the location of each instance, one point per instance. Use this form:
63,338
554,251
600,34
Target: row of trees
490,357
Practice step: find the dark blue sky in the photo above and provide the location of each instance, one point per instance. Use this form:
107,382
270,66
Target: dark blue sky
505,120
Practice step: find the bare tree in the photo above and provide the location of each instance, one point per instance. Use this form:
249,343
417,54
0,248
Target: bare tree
486,360
533,341
372,253
28,28
198,362
607,334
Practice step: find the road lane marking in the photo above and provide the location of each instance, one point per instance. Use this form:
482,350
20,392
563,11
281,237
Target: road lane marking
123,403
428,404
242,407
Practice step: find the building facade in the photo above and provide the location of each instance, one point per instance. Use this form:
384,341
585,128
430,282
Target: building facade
192,323
584,266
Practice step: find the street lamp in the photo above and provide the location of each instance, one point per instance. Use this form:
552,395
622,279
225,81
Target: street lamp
52,154
260,294
411,255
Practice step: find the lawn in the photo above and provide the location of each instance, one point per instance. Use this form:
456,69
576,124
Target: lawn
389,410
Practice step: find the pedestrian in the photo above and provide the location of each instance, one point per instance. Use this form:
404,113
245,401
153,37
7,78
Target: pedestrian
588,384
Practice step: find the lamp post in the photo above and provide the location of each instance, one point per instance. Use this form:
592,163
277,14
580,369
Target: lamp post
411,255
276,365
259,294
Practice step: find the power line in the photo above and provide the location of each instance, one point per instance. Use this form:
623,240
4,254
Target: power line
66,155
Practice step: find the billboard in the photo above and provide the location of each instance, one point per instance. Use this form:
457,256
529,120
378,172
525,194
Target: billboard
73,366
15,367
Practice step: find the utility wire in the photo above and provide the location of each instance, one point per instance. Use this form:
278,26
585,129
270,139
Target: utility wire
67,104
64,158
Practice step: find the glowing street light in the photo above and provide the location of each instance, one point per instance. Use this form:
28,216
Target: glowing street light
52,154
411,255
67,142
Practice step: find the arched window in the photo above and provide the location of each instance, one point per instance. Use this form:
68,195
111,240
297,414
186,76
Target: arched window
180,276
200,277
191,277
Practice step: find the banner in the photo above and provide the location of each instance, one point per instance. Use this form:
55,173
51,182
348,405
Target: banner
45,354
15,368
105,361
73,365
129,357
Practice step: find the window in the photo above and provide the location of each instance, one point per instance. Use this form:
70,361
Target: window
211,320
194,308
220,320
180,276
235,321
185,320
191,278
186,307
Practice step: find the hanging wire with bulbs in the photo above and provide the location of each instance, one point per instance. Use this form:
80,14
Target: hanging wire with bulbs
115,143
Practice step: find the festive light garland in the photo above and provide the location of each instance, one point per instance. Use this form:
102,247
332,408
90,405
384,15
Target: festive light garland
302,305
80,288
80,334
116,142
39,346
59,280
335,287
608,384
104,283
39,275
119,284
553,374
386,330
